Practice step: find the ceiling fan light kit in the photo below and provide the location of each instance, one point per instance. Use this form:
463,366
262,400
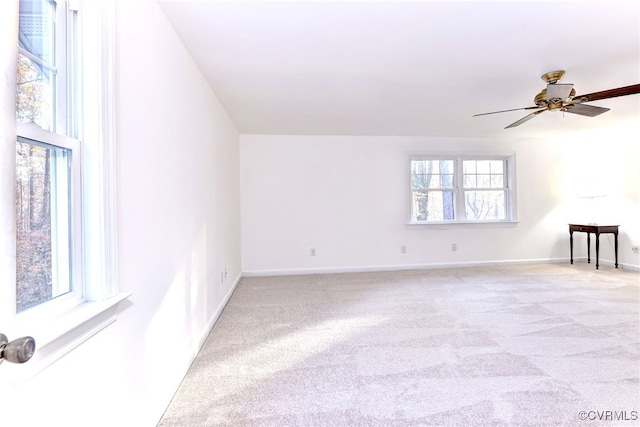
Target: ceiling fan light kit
562,97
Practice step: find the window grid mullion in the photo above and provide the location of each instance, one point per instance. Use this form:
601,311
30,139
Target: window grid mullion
459,183
62,78
37,60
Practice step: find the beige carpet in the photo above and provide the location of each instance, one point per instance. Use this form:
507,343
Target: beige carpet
544,345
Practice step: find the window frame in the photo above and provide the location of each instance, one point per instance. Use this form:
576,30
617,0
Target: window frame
64,118
62,132
62,324
504,189
33,134
509,162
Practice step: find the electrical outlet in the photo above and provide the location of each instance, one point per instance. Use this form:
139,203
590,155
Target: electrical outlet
403,249
312,252
635,249
454,247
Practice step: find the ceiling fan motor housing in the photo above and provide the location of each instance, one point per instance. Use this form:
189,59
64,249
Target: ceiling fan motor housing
541,99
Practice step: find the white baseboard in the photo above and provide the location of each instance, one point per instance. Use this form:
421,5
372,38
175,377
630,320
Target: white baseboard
203,337
367,269
216,315
629,267
611,263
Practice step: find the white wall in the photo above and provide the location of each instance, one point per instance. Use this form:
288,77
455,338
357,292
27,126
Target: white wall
347,197
179,192
179,228
601,162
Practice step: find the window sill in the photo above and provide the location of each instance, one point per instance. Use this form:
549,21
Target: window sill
443,225
63,334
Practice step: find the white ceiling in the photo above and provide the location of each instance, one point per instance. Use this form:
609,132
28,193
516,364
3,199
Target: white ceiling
409,67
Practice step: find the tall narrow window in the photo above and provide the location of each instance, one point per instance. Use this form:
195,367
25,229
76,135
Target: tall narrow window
47,216
66,287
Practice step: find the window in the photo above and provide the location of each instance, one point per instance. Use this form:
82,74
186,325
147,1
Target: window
461,189
47,167
66,287
44,222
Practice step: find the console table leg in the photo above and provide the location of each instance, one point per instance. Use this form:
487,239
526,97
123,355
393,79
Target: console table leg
616,248
597,249
571,244
589,248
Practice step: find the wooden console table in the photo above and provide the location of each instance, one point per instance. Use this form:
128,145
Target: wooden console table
597,230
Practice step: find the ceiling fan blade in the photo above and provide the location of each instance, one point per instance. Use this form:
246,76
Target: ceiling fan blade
611,93
558,91
525,119
504,111
585,110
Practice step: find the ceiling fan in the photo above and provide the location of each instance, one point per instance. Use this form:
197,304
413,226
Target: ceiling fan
562,97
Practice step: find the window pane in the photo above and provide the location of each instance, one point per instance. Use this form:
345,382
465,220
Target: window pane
35,93
484,181
433,166
470,181
497,167
483,166
485,205
433,206
446,181
469,166
417,181
42,223
483,174
421,166
37,61
446,166
417,167
426,174
37,29
497,181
